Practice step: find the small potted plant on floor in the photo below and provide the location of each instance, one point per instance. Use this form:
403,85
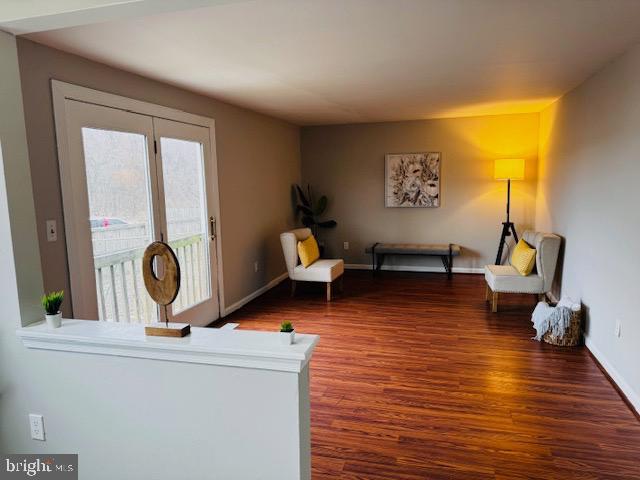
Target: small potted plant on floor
51,303
287,334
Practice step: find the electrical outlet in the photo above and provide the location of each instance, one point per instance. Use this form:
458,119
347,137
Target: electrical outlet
255,266
346,245
52,231
36,423
618,330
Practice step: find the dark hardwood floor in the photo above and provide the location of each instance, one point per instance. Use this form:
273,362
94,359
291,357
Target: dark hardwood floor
414,378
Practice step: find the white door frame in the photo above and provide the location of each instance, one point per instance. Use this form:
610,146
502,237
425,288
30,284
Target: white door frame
62,91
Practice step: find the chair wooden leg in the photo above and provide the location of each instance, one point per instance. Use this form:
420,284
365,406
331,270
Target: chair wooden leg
487,293
293,288
328,291
542,297
494,302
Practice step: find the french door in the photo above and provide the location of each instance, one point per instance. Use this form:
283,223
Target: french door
182,150
129,179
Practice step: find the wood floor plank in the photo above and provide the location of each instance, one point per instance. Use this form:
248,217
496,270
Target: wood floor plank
415,378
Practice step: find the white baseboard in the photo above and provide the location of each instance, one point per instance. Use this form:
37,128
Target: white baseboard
241,303
412,268
631,395
349,266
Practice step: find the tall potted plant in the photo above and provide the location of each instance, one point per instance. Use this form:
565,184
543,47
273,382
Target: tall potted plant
51,303
312,209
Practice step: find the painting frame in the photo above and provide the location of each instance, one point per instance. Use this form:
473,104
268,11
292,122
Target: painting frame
413,180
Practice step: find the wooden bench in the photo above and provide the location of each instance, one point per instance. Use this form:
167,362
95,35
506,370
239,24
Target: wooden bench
446,252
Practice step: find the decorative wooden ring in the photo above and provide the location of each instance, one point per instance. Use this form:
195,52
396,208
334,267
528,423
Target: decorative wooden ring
163,290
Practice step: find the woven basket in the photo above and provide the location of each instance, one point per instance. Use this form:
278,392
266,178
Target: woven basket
572,336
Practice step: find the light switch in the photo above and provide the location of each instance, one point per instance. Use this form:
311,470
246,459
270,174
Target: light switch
52,231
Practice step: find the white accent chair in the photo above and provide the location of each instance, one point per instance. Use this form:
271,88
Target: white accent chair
322,270
506,279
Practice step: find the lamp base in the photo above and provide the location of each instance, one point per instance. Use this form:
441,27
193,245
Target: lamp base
508,229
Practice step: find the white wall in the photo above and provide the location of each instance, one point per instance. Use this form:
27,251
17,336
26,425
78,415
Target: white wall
589,168
16,169
17,215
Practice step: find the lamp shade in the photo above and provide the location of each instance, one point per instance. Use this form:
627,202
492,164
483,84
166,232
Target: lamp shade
509,169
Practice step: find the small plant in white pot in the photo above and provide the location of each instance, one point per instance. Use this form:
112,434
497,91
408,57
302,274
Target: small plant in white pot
287,334
51,303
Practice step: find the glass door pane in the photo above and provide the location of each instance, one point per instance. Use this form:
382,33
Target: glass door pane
120,220
109,190
186,218
188,199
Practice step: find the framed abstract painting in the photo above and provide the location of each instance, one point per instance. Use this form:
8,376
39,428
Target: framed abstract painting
412,180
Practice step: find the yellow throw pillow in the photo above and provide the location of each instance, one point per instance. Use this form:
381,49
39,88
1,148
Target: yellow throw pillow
523,258
308,251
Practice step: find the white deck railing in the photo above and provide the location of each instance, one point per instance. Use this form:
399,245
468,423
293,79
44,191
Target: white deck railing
122,296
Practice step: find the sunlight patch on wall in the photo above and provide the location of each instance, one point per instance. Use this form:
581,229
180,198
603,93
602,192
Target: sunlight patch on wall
544,219
502,137
498,108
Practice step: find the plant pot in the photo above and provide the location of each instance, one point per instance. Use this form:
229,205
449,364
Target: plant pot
288,338
54,321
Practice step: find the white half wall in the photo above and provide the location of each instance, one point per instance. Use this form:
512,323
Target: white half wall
160,419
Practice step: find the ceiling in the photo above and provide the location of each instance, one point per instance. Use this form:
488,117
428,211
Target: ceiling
344,61
27,16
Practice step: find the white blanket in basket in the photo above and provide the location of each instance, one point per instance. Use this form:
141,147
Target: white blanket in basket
557,319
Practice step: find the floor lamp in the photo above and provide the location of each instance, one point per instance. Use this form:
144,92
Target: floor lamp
508,169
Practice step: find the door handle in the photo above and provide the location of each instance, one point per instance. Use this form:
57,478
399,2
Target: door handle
212,226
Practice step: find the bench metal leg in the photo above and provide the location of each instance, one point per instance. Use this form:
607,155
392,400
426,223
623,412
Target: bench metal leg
379,261
373,258
447,262
373,261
